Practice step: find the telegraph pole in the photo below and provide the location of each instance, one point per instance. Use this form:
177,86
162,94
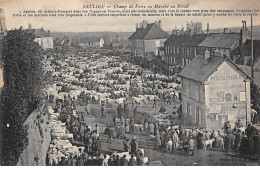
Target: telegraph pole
252,49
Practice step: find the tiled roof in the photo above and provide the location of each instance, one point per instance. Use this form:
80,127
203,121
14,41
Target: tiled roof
152,31
220,40
185,39
38,33
200,70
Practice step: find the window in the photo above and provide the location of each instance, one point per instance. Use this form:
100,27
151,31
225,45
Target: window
195,52
171,59
228,97
178,51
183,62
198,118
188,108
173,49
235,97
174,60
187,61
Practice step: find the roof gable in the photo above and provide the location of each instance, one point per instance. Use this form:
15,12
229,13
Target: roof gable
152,31
200,70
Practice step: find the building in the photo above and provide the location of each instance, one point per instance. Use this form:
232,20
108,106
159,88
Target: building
227,42
214,90
42,37
245,59
91,42
180,49
194,28
147,38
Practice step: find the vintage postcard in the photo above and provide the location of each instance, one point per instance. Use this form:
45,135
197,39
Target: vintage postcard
129,83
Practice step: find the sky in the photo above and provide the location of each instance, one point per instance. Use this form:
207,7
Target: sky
121,24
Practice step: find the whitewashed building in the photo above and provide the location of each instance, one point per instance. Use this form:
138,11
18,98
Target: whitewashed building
214,90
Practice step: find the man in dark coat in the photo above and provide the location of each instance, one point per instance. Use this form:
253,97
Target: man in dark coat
109,133
132,161
102,111
123,161
70,160
119,111
62,162
134,146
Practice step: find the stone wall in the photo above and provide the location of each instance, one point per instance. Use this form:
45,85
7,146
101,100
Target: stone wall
39,139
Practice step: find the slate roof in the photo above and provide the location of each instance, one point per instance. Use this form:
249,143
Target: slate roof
152,31
185,39
38,33
200,70
220,40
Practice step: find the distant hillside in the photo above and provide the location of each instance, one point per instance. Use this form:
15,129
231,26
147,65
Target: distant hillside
75,36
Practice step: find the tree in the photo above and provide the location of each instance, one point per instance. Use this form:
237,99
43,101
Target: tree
21,92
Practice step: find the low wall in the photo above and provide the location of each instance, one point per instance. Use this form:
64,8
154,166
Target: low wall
39,139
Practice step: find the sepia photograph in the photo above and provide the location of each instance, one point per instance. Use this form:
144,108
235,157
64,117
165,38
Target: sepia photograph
129,83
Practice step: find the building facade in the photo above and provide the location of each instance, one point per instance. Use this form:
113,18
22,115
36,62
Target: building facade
42,37
214,90
92,42
45,42
181,49
147,39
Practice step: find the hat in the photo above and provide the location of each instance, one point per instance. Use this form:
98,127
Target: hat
239,120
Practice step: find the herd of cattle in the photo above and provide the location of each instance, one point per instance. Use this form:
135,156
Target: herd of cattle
97,79
109,80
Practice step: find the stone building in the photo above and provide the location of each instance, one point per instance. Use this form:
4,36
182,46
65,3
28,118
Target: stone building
42,37
214,90
181,49
92,42
147,38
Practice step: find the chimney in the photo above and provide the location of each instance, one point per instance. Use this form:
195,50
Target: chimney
206,54
217,53
225,30
144,24
243,38
160,24
137,26
207,31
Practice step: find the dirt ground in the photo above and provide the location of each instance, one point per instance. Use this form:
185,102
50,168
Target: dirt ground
210,157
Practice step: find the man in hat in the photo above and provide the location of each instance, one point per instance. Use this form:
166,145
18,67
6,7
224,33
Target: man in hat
125,144
102,111
119,111
132,161
97,130
192,146
238,124
109,133
134,145
227,127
